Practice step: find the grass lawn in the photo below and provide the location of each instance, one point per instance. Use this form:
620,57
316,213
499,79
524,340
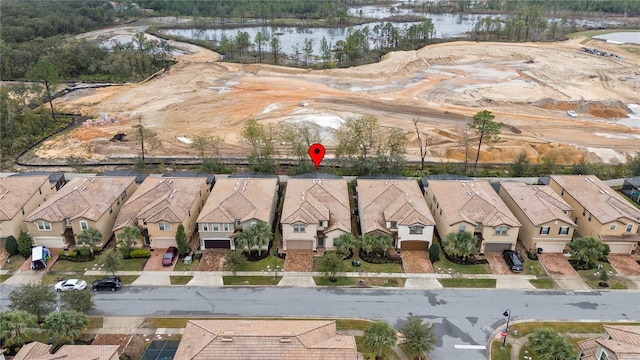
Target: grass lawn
560,326
341,281
468,283
4,277
16,262
133,264
180,280
445,264
534,356
617,284
533,267
352,324
181,266
262,264
500,354
52,278
250,280
66,266
95,322
544,283
605,267
372,268
367,353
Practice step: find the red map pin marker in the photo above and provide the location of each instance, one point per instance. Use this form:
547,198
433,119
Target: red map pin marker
316,153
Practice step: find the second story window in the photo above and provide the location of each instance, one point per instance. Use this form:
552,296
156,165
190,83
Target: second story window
164,226
612,227
226,227
462,228
84,225
629,228
501,230
393,224
544,230
564,230
299,228
415,229
43,225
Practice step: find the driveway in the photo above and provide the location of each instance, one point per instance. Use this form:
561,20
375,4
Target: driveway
497,263
154,263
625,265
557,264
298,260
212,260
54,256
416,262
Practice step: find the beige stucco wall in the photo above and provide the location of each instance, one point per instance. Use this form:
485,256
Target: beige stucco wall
14,226
308,235
45,238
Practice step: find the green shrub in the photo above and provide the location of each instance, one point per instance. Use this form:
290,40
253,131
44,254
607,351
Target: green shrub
72,254
11,245
140,253
24,245
197,256
83,251
532,255
126,253
434,253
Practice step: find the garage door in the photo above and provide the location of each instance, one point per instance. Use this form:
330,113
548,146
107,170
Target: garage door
299,245
217,244
414,245
549,247
620,247
163,243
50,242
496,247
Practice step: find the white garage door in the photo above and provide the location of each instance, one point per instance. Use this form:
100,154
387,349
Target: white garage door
50,242
549,247
163,243
620,247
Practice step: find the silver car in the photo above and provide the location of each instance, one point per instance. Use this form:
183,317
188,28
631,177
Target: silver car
71,284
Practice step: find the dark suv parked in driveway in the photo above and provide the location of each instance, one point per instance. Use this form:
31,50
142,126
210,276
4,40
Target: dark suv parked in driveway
110,283
512,260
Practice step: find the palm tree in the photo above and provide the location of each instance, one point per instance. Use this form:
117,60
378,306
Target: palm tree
379,335
385,242
243,241
367,243
461,244
263,236
65,326
128,236
550,345
587,250
89,237
419,337
344,244
15,326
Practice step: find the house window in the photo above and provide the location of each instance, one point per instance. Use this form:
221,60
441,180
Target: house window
204,227
298,228
415,229
215,227
629,228
84,225
40,191
118,201
320,241
501,230
253,224
562,192
44,225
603,356
393,224
22,211
110,209
589,217
225,227
584,212
434,197
544,230
564,230
440,211
238,222
462,228
164,226
478,227
612,227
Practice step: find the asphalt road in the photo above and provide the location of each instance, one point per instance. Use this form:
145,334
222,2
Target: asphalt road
463,317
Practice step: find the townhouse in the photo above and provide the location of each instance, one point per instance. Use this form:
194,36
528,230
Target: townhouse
19,196
472,206
83,203
395,207
620,342
546,219
315,213
236,204
599,211
160,205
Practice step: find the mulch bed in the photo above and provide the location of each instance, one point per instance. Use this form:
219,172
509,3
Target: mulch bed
212,260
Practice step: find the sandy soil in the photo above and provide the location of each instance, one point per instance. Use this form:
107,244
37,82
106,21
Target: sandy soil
441,85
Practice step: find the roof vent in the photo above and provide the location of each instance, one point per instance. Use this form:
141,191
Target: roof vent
171,196
174,191
227,339
243,188
319,181
464,185
471,184
285,340
75,188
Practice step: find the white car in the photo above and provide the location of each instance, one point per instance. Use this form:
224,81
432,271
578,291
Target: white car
572,113
71,284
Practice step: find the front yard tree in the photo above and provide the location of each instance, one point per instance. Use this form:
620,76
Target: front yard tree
587,250
486,128
263,150
550,345
181,241
89,237
11,244
379,335
24,244
330,264
263,236
15,325
37,299
80,301
234,261
243,241
367,243
49,75
128,236
460,244
419,337
63,326
345,244
111,260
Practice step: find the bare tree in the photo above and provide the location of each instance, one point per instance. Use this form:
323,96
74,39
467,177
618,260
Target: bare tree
423,146
465,140
142,134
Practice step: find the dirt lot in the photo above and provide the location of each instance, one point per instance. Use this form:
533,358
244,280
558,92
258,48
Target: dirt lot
497,264
212,260
625,265
416,262
441,85
557,264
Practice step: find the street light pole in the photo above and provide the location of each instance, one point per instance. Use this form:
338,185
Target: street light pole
506,330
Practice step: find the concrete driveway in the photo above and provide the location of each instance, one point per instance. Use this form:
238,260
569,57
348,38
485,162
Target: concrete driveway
557,264
625,265
154,263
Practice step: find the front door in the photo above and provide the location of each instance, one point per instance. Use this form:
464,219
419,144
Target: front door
320,241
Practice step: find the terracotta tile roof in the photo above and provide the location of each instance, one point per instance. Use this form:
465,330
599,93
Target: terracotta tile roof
82,197
40,351
624,342
588,348
16,191
604,203
398,200
239,198
161,199
264,339
472,202
622,350
539,203
629,334
312,200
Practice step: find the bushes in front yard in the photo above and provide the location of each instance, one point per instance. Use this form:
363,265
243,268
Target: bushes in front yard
434,253
140,253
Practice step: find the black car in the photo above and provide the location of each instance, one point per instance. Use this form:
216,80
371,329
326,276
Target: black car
110,283
511,258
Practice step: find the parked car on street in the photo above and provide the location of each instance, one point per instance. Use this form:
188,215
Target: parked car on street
110,283
169,256
512,260
71,284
